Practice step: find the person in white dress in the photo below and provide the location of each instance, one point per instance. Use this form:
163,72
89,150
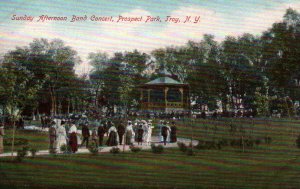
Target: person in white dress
160,125
129,134
61,136
149,133
145,128
169,132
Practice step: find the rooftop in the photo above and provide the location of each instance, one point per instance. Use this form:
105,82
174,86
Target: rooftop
163,80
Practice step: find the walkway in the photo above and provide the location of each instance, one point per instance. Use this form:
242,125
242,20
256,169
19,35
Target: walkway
107,148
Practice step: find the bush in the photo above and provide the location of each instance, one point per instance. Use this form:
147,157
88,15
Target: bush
115,150
190,152
18,141
208,145
268,140
135,149
52,151
257,141
33,151
94,150
65,148
182,146
223,142
21,153
298,142
157,149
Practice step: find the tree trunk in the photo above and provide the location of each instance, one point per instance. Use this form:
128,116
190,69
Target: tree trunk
68,106
13,138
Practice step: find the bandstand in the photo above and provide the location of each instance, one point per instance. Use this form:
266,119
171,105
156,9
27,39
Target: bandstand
164,94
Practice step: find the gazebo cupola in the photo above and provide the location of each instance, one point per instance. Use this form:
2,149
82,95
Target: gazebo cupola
165,94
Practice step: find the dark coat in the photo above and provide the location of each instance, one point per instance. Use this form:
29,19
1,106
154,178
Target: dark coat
112,139
140,133
164,131
73,142
121,130
101,131
173,136
85,131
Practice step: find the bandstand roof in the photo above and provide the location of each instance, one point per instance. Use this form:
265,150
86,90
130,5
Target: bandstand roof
163,80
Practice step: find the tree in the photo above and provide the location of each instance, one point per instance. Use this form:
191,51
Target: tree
50,62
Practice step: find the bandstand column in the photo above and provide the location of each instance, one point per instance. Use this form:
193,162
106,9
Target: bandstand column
166,93
149,90
181,92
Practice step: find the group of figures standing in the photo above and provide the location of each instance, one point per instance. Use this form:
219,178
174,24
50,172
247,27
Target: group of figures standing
62,132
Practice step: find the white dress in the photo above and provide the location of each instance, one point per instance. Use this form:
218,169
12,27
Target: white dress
169,132
61,137
149,134
160,137
129,128
146,130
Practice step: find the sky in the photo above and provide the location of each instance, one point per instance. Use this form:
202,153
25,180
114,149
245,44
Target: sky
220,18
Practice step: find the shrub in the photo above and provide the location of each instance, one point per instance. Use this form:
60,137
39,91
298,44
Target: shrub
65,148
298,142
33,151
182,146
21,153
94,150
135,149
268,140
52,151
190,152
26,148
201,145
115,150
223,142
257,141
157,149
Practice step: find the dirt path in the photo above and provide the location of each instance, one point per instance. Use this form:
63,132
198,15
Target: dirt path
106,149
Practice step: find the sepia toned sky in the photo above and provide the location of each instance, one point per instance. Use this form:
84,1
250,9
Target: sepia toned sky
218,17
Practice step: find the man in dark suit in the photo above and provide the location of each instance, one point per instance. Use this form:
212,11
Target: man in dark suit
121,132
101,132
164,132
85,135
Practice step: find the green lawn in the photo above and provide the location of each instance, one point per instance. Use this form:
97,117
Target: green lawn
207,169
274,165
36,139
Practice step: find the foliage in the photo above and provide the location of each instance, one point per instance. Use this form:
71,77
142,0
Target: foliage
256,73
93,149
21,153
207,145
298,141
65,148
182,146
135,149
115,150
268,140
52,151
17,142
190,152
33,151
159,149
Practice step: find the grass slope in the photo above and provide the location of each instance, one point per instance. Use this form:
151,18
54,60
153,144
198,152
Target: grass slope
274,165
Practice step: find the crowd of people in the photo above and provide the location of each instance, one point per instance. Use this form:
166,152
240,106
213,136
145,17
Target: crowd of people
118,132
